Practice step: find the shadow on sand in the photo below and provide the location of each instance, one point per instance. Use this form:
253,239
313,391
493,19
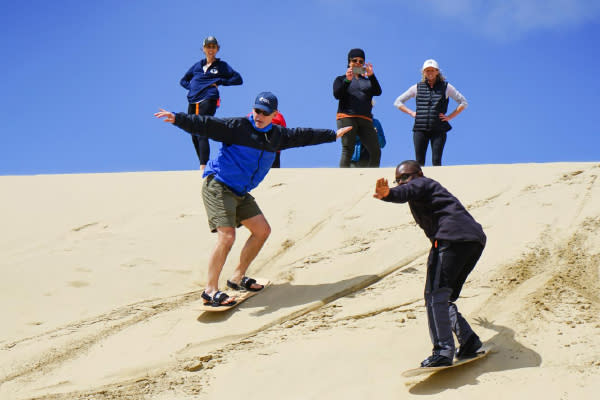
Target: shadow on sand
288,295
507,354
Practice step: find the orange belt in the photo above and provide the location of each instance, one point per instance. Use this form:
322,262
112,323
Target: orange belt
342,115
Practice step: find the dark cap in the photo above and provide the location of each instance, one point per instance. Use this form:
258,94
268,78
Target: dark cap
356,53
210,40
266,101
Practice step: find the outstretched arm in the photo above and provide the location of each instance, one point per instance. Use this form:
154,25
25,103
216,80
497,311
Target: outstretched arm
298,137
221,130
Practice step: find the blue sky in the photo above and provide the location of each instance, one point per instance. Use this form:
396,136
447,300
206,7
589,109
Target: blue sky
80,80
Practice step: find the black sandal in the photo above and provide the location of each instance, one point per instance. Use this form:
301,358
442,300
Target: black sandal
245,284
217,299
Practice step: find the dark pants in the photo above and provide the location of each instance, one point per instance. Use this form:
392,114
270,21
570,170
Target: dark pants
205,107
448,266
363,128
422,139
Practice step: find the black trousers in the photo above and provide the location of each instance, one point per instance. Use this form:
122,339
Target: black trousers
205,107
421,140
363,128
448,266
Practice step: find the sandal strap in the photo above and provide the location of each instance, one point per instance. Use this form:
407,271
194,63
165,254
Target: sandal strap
206,297
247,282
219,298
234,285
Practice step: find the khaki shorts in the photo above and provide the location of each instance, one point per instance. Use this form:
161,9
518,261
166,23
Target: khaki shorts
224,208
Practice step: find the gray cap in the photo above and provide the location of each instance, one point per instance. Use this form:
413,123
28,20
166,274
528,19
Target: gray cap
210,40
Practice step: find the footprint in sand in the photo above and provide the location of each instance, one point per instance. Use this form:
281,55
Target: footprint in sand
78,284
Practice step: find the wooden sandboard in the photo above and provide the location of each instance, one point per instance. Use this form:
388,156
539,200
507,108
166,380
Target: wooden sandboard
457,363
240,297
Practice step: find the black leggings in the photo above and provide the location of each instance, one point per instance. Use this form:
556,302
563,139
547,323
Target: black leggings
363,128
205,107
422,139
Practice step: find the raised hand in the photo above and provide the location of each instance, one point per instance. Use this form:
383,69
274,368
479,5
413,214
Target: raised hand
382,189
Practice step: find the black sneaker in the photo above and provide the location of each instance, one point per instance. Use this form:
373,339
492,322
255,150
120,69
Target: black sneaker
436,360
469,348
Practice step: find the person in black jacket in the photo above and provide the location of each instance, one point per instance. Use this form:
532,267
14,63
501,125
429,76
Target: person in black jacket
355,91
457,242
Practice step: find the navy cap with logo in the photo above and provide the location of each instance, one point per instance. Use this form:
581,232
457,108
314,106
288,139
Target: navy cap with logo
210,40
266,101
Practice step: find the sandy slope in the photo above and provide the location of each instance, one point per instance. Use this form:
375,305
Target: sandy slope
102,276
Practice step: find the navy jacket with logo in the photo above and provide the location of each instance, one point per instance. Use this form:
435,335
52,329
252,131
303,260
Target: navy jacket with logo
199,83
437,211
247,152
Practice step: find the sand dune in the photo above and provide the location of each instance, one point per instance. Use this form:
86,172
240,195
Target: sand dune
102,275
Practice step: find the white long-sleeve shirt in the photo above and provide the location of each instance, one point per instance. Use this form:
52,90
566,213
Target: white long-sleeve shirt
450,92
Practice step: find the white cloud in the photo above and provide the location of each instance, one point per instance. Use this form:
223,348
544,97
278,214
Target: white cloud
508,18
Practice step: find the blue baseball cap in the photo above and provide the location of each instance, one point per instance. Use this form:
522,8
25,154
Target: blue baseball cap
266,101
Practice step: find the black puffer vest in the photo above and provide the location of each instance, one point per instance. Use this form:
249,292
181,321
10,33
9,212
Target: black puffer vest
430,103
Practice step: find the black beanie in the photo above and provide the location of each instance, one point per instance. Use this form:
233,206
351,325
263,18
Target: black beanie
356,53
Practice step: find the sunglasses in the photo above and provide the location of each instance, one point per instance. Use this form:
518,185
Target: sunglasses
262,112
403,178
357,61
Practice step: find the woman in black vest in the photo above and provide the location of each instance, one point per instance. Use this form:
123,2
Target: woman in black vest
431,122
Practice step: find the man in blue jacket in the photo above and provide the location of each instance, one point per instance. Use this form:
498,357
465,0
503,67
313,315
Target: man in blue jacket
247,153
457,241
202,81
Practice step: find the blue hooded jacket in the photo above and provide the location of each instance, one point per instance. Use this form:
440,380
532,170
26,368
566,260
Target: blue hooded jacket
247,152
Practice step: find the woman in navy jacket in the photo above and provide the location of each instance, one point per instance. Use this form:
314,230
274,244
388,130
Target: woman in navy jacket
202,81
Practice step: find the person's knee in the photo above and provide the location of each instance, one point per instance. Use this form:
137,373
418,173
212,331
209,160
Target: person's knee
262,232
226,237
440,296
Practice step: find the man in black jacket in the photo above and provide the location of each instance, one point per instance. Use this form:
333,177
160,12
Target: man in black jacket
457,243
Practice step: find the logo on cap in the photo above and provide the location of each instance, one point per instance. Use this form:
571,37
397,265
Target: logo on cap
266,101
